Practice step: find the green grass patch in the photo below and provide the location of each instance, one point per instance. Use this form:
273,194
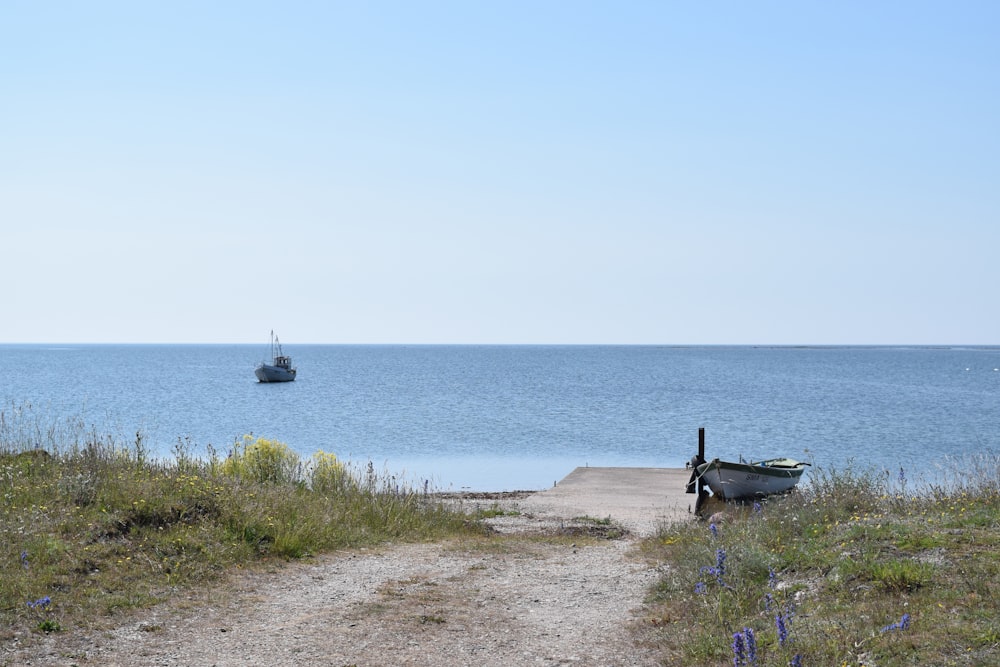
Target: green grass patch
91,528
856,568
494,511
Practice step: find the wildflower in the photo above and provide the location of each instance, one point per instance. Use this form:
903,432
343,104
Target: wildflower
768,601
739,650
796,660
720,565
902,476
700,588
751,642
744,648
772,578
780,624
41,603
720,560
758,508
24,559
903,624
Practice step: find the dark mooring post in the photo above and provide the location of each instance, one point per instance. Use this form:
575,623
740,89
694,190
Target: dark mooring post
694,485
702,492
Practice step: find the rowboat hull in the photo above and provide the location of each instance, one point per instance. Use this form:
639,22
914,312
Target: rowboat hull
732,481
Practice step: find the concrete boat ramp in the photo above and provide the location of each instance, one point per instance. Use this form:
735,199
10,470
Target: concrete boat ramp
640,499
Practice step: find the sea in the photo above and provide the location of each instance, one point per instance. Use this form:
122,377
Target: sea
520,417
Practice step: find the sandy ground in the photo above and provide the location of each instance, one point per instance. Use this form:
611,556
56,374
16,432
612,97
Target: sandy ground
558,592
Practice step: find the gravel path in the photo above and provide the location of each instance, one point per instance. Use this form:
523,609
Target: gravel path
538,597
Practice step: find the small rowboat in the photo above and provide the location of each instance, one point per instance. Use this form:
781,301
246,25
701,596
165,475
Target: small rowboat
731,481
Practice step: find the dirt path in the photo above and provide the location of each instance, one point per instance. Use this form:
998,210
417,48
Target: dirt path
555,591
524,601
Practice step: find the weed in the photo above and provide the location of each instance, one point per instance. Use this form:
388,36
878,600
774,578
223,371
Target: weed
431,618
820,576
494,512
261,460
109,529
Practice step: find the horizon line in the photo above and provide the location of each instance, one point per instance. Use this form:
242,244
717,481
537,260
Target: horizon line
510,344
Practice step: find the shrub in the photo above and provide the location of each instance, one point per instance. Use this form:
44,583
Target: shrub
263,461
328,476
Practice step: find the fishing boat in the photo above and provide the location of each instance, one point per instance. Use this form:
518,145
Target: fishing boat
731,481
280,369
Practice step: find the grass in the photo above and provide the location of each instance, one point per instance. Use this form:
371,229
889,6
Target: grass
856,568
91,527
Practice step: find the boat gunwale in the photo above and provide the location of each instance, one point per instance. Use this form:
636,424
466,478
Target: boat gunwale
754,468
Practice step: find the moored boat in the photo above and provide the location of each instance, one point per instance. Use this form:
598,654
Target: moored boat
280,369
731,481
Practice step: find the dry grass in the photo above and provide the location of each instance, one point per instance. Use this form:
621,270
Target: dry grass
91,527
858,568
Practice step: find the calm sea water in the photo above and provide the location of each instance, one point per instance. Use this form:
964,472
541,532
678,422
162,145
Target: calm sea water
522,417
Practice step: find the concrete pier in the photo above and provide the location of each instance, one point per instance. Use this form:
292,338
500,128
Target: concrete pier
641,499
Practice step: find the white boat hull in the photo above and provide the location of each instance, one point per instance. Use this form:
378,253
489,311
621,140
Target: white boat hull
280,369
269,373
731,481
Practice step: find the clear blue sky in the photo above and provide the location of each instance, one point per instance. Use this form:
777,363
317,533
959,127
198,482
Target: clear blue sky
500,172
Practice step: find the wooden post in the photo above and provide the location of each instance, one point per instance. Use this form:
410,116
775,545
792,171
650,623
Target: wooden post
702,492
693,485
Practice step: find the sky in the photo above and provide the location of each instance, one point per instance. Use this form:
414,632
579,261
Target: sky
546,172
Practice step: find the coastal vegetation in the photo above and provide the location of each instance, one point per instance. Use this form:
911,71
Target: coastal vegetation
91,526
858,567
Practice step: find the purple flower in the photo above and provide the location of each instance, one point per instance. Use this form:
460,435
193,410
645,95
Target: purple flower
24,559
700,588
715,529
758,508
768,601
43,603
739,650
744,648
751,642
719,570
903,624
779,622
796,660
772,578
